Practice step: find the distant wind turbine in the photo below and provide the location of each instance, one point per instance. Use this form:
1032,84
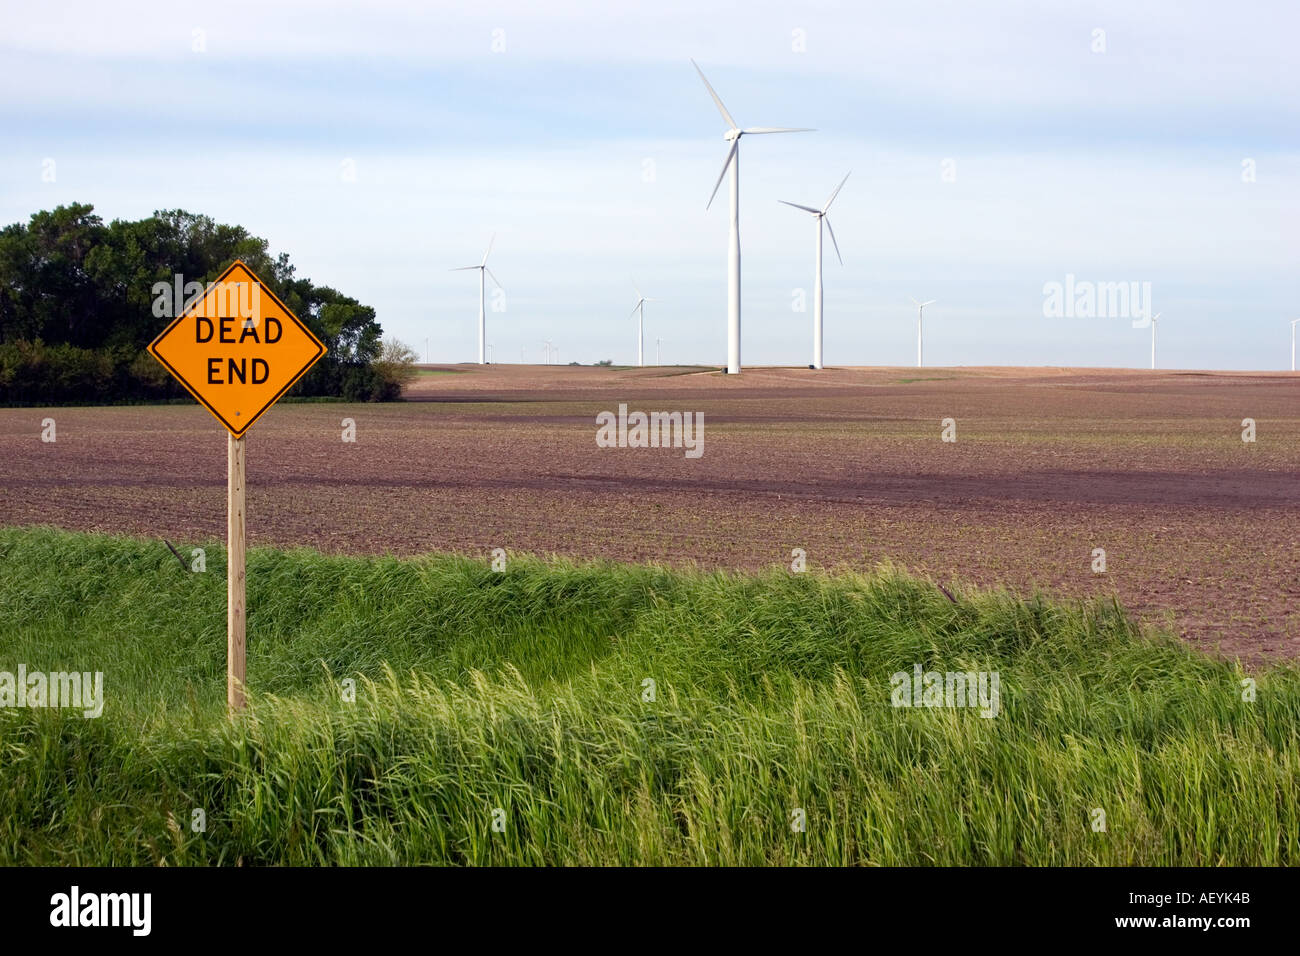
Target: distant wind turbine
1154,319
821,217
920,314
640,322
482,322
1293,324
732,162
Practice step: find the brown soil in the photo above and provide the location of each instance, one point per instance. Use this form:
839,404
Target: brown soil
1199,528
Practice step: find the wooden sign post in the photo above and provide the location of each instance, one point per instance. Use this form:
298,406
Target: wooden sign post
236,348
235,668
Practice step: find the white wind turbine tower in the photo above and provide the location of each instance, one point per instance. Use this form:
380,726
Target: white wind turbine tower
920,314
821,216
482,324
1154,319
732,162
640,323
1293,324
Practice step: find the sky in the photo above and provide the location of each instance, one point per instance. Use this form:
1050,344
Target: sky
994,148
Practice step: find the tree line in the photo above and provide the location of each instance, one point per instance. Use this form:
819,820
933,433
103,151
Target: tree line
77,309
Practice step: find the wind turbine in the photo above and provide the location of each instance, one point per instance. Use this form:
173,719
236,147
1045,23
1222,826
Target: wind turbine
920,314
1154,319
640,323
732,162
821,217
1293,323
482,268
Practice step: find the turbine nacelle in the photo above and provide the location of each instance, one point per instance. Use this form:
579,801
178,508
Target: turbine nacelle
735,131
640,299
482,266
821,214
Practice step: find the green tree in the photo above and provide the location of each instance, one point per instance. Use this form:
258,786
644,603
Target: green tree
47,292
66,279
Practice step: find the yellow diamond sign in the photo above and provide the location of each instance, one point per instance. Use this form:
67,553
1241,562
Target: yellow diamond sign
237,348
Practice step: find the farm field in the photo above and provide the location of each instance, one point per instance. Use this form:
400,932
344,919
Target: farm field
1200,529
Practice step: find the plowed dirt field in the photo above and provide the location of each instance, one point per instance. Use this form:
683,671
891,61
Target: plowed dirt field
1200,529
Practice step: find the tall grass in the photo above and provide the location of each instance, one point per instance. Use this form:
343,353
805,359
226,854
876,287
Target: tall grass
518,699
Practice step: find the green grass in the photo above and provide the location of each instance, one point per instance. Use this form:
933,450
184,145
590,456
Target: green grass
523,691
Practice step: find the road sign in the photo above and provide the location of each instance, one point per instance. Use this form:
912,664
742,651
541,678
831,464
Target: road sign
237,348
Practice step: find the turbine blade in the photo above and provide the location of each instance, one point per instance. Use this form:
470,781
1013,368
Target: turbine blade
489,249
914,302
815,212
731,123
634,308
837,190
827,220
464,268
735,144
931,302
494,279
779,129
